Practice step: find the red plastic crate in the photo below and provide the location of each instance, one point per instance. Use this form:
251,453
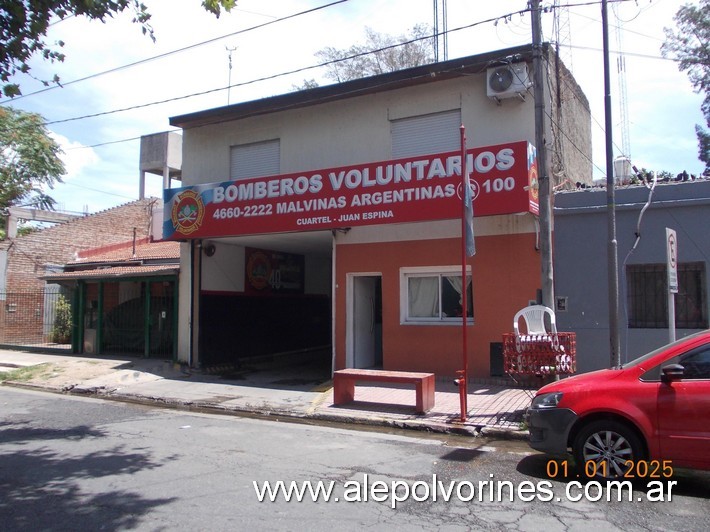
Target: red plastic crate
540,354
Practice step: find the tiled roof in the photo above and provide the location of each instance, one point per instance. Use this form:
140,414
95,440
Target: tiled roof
115,272
125,252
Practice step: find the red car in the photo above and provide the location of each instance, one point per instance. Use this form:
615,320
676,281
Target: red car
653,412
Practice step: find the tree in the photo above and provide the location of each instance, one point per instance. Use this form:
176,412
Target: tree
307,84
29,160
62,327
704,146
688,44
24,25
380,54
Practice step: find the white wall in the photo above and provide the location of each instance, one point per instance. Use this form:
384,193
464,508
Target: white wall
356,130
508,224
224,271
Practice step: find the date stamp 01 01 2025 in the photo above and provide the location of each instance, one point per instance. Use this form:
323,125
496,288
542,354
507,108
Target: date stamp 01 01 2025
629,470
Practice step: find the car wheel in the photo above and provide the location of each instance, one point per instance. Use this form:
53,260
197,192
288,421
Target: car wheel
606,449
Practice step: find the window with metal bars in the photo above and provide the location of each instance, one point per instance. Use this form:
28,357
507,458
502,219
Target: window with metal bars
647,296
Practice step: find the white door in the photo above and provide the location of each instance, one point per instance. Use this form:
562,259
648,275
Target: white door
363,305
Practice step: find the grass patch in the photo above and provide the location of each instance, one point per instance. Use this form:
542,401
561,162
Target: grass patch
27,373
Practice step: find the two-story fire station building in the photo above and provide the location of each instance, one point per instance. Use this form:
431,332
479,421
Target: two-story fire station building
329,219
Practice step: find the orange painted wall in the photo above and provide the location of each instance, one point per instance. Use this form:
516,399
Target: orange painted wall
506,275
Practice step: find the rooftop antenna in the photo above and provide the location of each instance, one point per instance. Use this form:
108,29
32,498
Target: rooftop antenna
562,32
623,101
440,31
229,79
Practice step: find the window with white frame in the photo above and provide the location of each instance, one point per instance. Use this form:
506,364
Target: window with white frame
434,295
256,159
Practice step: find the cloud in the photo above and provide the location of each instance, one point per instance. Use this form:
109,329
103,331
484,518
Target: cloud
76,157
108,174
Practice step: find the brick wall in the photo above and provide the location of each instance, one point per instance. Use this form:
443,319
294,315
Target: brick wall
29,255
22,318
571,148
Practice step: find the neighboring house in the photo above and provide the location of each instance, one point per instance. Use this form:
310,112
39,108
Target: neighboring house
581,277
27,310
126,297
332,216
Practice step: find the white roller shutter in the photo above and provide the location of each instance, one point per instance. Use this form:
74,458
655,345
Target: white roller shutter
255,160
432,133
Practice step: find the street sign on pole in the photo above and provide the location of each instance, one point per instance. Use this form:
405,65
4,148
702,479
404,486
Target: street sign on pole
672,255
672,267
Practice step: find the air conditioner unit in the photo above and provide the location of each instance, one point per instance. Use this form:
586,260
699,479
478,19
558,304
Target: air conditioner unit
507,81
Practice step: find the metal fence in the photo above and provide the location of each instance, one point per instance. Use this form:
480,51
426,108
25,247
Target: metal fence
139,326
40,319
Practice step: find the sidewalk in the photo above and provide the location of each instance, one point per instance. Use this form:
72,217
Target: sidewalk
492,410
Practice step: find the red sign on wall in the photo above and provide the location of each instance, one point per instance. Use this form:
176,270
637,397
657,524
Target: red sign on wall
273,272
416,189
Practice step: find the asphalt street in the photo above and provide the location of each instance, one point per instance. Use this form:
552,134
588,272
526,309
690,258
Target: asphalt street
74,463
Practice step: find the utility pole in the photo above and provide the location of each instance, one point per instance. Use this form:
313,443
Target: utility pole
544,190
612,251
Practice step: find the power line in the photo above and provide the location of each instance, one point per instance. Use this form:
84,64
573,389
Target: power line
104,143
632,54
178,50
97,190
278,75
306,68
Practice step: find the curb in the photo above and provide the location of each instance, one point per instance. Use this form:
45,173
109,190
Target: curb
34,387
479,431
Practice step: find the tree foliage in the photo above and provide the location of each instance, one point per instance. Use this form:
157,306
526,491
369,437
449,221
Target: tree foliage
305,85
703,146
689,44
62,327
24,25
29,160
379,54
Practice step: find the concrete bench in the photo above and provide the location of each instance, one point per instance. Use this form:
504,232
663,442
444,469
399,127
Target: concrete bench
344,384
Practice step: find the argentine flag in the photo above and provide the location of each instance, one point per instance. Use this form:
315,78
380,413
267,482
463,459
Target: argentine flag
468,216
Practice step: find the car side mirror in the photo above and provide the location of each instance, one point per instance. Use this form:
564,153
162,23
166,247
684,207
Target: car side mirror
672,372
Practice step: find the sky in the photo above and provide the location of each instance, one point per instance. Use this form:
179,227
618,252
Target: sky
98,121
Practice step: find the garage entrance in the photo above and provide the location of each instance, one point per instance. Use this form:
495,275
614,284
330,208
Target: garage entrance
265,302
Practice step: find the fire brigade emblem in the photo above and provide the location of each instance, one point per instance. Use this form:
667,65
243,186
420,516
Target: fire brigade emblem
258,270
187,212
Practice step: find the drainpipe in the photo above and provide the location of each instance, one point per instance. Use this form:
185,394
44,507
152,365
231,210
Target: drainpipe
333,297
192,303
78,329
146,321
100,321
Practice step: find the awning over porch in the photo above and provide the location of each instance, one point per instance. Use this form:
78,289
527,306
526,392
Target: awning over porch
115,272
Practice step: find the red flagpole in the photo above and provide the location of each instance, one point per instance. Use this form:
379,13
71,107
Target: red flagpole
463,373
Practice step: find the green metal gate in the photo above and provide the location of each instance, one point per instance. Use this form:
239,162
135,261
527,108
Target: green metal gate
135,317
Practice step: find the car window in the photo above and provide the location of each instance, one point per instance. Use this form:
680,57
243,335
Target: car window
696,364
642,359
